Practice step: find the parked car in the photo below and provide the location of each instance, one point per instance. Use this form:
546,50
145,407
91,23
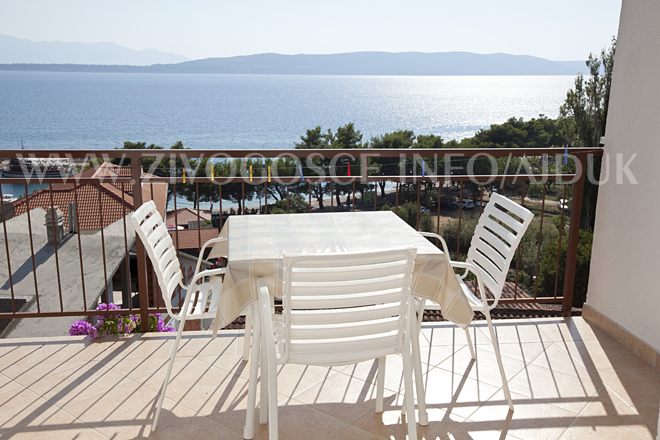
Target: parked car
468,204
563,205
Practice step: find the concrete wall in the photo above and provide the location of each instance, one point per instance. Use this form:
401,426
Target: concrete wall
625,266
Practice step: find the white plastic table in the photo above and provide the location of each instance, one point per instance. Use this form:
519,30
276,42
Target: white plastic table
256,244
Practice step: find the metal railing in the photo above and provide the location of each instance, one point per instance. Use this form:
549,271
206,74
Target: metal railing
436,194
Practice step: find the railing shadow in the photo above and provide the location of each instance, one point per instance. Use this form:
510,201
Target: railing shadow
221,404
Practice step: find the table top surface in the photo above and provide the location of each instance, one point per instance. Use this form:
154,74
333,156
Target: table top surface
266,237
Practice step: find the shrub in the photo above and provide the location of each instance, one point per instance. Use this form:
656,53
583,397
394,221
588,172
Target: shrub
451,233
409,212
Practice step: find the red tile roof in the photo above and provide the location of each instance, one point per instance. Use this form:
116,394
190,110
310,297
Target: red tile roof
109,200
189,239
184,215
96,209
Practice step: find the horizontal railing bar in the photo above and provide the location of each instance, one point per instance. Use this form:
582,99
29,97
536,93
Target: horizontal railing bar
19,315
549,300
64,179
258,180
273,152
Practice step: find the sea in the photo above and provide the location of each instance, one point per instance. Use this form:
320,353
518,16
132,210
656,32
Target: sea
51,110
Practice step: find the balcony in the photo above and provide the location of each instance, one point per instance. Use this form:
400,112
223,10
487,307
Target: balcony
568,379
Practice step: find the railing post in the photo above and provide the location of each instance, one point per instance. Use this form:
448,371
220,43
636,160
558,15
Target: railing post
143,288
573,238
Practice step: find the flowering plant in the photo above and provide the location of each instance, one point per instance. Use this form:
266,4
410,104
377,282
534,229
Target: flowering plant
117,324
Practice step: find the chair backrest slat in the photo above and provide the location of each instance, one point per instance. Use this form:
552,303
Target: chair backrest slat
342,316
158,244
496,238
346,308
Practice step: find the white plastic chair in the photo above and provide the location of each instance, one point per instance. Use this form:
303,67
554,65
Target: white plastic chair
496,238
201,295
337,310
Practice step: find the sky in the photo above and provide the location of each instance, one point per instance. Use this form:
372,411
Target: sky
557,29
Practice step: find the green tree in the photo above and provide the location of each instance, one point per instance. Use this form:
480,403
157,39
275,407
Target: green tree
389,166
346,137
583,115
316,138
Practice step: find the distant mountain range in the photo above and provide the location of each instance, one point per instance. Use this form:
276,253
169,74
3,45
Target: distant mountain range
18,50
24,55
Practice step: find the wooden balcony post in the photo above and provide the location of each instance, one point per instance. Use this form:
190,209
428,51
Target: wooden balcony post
573,238
143,287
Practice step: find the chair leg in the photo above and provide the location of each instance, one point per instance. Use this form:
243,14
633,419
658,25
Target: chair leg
247,337
409,394
469,341
269,365
496,346
380,384
272,401
166,381
263,379
420,315
248,430
419,380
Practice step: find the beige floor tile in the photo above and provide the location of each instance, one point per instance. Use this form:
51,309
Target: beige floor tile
292,379
604,354
457,394
618,432
355,433
228,362
23,414
53,380
53,424
183,423
638,387
531,419
434,354
13,351
509,332
304,422
25,361
564,356
391,425
557,369
484,368
15,403
609,414
611,419
342,396
368,370
201,344
135,347
569,329
450,334
525,352
560,389
124,412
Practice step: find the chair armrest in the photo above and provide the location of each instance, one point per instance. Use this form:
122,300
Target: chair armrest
200,259
443,244
189,288
469,267
207,273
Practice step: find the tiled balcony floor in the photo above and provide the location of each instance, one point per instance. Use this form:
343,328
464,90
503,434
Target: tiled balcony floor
569,381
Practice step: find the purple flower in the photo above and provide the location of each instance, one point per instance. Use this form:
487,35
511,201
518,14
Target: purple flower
82,327
162,327
109,306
